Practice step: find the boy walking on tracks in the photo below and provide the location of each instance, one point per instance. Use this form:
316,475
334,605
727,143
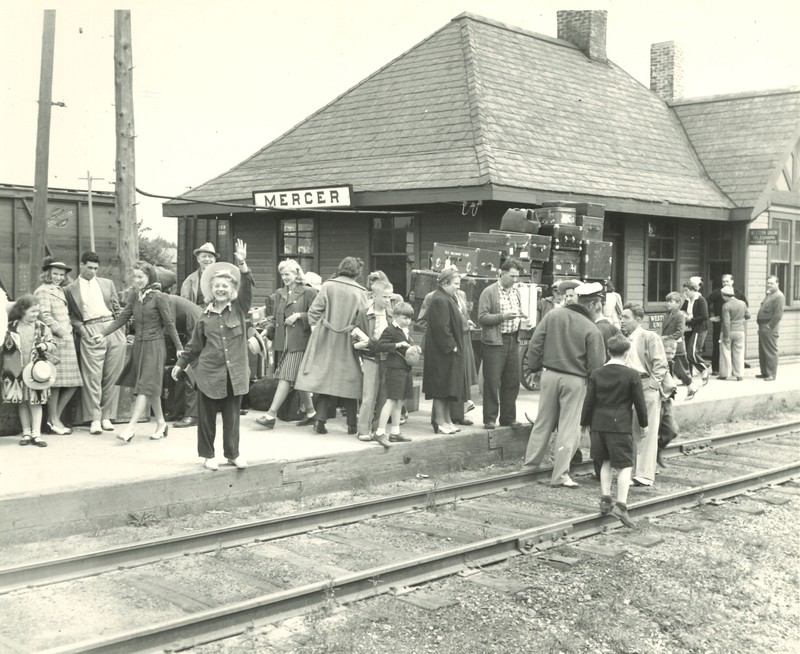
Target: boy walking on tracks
612,391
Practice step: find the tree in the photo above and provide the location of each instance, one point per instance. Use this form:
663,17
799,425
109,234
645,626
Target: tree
154,250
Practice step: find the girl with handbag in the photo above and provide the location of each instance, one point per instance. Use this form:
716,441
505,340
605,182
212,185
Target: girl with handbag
27,375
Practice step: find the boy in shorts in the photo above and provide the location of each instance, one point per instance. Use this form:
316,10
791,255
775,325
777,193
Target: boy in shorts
613,391
398,351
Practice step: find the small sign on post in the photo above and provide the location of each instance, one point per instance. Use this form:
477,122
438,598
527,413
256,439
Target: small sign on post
763,237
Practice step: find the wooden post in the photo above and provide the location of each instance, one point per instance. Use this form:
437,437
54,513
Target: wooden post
39,222
127,239
89,179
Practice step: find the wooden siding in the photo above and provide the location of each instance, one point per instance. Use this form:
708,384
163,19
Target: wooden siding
259,232
634,279
449,226
691,253
340,236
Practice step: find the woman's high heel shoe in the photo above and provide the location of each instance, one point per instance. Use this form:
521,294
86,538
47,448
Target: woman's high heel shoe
61,431
126,437
161,433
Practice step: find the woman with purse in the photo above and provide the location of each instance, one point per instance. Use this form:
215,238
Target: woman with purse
144,370
289,331
54,313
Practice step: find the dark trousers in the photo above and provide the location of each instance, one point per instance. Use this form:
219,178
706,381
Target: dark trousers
501,380
185,399
678,367
694,351
716,332
767,350
323,402
207,424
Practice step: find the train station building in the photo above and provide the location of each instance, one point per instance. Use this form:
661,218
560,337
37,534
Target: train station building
480,117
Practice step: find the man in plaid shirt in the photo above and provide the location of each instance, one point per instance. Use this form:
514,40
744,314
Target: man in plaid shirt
499,315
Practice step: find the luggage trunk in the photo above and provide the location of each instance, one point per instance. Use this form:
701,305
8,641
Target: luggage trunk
583,208
592,227
564,237
519,220
468,261
538,246
555,216
596,260
563,262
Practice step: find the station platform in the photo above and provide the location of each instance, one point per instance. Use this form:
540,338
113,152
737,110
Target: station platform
83,482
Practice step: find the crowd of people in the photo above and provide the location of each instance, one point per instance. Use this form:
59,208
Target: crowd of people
341,344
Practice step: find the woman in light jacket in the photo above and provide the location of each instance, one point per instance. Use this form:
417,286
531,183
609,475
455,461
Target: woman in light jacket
53,313
289,331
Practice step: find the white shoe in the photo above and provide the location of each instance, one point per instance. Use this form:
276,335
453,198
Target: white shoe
211,464
239,462
106,425
95,427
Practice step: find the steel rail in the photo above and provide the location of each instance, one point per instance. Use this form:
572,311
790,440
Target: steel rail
61,569
232,620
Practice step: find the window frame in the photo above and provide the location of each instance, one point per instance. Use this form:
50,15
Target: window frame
301,258
673,262
790,280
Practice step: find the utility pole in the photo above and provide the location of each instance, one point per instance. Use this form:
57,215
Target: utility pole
127,238
39,222
89,179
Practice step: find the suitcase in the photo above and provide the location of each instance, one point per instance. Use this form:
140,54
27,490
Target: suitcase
592,227
467,260
595,260
555,216
583,208
529,294
536,273
564,237
519,220
538,246
511,244
563,262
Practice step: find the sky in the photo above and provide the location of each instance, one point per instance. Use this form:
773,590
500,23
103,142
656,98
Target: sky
215,81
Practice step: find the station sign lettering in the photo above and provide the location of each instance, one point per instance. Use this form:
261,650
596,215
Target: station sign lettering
328,197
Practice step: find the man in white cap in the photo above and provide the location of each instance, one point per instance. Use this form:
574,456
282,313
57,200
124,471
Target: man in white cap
567,346
190,289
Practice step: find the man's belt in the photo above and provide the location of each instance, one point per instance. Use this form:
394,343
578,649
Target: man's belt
101,319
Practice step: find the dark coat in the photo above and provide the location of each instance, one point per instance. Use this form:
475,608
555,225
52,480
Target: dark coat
443,370
186,314
295,337
697,321
672,333
395,358
611,393
330,365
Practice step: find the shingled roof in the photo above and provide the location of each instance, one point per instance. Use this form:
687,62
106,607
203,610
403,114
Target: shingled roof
483,104
741,138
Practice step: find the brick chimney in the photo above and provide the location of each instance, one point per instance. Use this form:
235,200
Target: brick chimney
586,29
666,70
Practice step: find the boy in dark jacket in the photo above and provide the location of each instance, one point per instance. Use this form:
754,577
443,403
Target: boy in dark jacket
611,393
396,347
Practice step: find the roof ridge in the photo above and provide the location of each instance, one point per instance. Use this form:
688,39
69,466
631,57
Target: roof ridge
788,90
316,113
513,28
483,148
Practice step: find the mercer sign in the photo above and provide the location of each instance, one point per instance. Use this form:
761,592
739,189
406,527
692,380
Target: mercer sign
304,198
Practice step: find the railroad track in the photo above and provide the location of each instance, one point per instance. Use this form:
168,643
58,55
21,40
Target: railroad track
285,566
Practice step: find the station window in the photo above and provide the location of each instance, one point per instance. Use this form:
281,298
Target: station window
784,258
297,240
393,240
718,254
661,255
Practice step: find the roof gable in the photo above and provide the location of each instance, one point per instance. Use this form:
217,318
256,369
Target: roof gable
742,139
479,103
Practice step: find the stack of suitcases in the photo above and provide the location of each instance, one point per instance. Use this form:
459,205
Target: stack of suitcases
562,240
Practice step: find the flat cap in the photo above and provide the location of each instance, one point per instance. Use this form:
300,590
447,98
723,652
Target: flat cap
566,284
727,290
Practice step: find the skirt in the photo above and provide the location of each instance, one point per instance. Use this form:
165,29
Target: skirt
67,371
289,366
144,371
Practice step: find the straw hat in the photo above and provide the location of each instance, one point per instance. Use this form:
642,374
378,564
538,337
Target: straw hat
255,343
215,269
39,375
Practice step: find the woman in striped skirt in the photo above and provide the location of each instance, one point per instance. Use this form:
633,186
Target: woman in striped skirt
289,330
54,314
